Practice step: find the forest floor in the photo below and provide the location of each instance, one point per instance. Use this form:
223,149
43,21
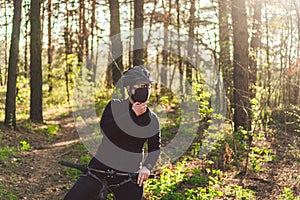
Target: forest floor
36,175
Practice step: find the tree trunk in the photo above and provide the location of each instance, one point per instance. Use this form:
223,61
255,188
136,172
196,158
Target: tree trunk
6,43
68,50
151,21
115,57
93,25
164,71
36,107
81,32
241,63
268,72
180,67
130,53
138,46
27,34
10,104
224,58
50,47
43,8
86,33
281,90
190,53
255,46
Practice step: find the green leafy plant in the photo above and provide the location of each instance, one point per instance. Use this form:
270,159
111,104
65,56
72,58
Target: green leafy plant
287,194
6,193
167,182
25,146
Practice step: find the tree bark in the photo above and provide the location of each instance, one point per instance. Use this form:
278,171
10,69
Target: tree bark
268,69
115,57
190,53
10,104
27,35
164,71
138,46
50,47
131,17
68,50
36,107
93,26
180,66
241,63
6,43
255,46
224,58
81,31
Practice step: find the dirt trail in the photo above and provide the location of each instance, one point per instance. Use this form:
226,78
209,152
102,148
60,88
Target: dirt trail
36,174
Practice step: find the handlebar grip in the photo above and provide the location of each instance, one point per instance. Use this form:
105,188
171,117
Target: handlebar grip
82,168
152,176
135,175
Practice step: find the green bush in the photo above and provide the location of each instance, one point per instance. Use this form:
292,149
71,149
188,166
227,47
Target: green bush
25,146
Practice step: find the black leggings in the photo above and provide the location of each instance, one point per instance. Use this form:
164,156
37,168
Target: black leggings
87,188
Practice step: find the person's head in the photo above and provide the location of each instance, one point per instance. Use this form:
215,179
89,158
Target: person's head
137,81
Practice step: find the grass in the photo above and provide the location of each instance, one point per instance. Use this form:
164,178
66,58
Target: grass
7,193
7,152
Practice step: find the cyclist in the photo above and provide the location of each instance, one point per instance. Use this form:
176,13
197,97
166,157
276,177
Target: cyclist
127,125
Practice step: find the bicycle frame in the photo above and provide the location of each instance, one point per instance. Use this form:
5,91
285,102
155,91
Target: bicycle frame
105,189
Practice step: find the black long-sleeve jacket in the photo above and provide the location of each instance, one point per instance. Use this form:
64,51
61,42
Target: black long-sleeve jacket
124,136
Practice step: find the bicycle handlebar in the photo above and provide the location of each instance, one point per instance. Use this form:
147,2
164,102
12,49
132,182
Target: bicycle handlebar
84,169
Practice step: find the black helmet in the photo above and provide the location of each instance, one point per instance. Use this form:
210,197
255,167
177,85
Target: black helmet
137,74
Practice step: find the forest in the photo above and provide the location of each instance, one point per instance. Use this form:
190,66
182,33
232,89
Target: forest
226,93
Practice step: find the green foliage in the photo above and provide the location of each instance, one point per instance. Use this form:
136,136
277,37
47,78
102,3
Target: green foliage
83,158
181,183
102,97
74,173
25,146
52,129
49,129
258,156
7,193
216,187
23,91
79,149
167,182
196,146
287,194
168,132
197,178
238,192
203,98
60,67
7,152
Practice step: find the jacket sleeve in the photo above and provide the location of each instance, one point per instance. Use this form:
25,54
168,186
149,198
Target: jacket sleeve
108,124
154,145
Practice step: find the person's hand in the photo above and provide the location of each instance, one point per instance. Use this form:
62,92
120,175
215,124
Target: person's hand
144,174
139,108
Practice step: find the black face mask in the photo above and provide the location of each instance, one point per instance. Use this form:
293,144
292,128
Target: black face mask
140,95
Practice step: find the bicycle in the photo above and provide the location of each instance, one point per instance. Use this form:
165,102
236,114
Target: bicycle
105,188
